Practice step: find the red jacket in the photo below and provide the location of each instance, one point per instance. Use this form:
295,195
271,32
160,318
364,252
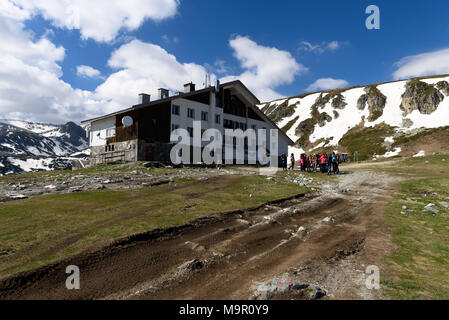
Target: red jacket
323,159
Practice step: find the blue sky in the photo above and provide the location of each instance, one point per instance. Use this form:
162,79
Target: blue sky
69,60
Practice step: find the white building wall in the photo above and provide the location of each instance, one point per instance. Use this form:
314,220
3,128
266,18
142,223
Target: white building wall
97,135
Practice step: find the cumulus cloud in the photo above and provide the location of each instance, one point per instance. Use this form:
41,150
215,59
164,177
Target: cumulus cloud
145,67
100,20
429,63
321,48
30,84
87,72
30,73
327,84
266,68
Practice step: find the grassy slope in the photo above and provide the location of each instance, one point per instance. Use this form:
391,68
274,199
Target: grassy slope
366,141
418,267
40,230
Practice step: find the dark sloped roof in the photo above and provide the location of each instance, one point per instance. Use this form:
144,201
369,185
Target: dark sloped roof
189,94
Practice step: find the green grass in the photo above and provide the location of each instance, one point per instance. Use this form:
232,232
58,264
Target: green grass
366,141
40,230
417,267
443,132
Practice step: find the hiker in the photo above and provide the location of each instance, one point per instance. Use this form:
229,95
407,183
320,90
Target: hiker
292,160
315,162
337,164
309,162
284,162
329,165
302,161
322,162
334,162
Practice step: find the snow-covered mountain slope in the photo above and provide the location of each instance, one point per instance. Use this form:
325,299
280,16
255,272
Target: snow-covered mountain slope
29,146
332,119
36,139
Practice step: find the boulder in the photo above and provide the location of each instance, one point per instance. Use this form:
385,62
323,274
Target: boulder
420,96
443,86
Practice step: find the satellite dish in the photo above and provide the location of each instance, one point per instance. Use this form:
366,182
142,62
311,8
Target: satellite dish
127,121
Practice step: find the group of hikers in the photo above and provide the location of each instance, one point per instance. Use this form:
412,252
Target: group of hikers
312,163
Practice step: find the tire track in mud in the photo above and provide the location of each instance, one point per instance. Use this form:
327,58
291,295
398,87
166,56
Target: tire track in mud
320,239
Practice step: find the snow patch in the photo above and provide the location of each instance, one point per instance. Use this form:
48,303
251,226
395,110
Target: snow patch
422,153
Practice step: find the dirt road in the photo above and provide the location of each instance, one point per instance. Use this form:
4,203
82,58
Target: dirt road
326,239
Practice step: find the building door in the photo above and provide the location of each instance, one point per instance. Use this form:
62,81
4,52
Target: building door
149,154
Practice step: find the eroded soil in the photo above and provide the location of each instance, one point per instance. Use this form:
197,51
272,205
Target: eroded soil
326,239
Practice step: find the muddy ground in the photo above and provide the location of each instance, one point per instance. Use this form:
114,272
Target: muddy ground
325,239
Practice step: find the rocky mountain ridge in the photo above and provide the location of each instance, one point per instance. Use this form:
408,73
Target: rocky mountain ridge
32,146
327,120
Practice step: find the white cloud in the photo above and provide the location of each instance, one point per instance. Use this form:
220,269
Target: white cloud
220,66
30,84
31,87
321,48
100,20
87,72
145,67
266,68
327,84
429,63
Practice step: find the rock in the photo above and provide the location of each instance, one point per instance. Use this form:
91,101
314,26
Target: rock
315,292
127,178
376,102
98,187
407,123
18,196
336,114
443,86
76,189
50,187
323,118
328,219
291,209
339,102
191,265
269,289
444,204
270,179
431,207
420,96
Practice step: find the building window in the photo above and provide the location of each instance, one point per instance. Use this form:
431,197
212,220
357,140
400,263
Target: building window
174,127
190,113
190,131
110,132
217,119
204,116
175,110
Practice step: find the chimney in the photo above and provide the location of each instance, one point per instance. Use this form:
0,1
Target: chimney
163,93
189,87
144,98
